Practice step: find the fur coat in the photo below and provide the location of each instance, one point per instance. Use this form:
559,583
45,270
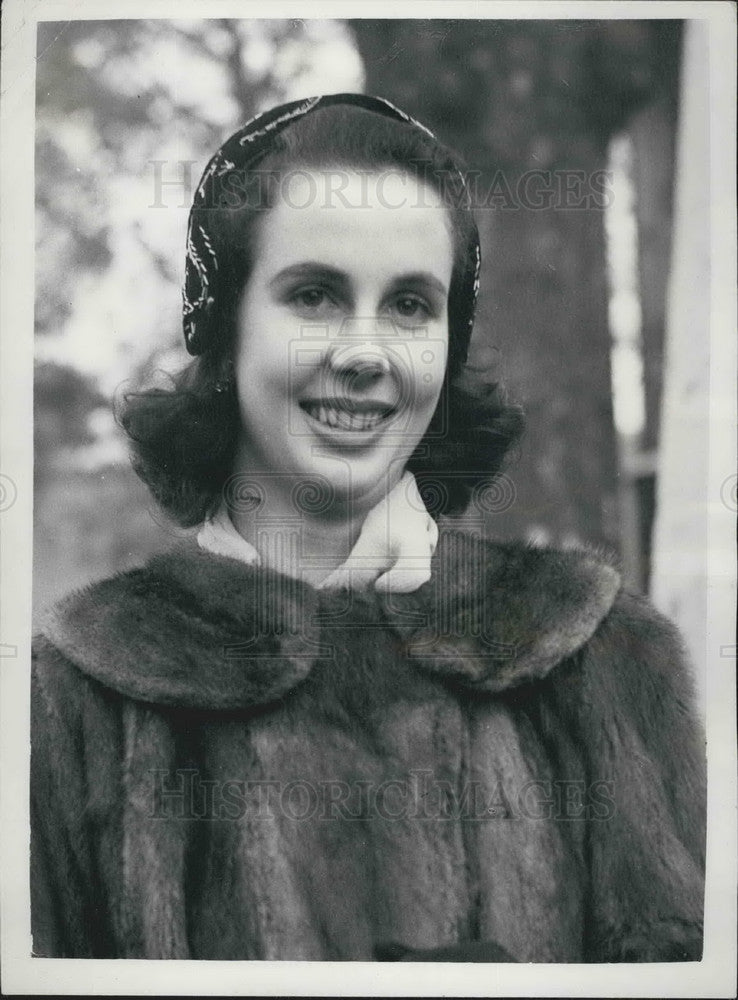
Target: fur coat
229,764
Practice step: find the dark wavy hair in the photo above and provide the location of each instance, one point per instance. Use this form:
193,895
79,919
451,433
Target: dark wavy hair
184,437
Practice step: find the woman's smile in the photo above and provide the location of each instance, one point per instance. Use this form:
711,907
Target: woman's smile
348,426
340,415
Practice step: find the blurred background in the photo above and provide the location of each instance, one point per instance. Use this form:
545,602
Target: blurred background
589,151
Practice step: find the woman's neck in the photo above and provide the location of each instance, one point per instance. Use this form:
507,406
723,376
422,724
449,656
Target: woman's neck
290,537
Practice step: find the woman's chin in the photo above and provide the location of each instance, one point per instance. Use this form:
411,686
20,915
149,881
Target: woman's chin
359,482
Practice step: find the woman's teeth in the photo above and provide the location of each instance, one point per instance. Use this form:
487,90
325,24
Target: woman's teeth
344,420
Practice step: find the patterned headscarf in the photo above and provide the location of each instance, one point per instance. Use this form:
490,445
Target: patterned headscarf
239,153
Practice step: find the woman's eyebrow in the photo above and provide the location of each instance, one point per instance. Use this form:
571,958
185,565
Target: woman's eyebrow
421,278
313,270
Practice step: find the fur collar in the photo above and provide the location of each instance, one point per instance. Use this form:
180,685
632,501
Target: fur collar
198,630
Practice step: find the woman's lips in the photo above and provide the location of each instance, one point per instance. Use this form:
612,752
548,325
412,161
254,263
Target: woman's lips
354,418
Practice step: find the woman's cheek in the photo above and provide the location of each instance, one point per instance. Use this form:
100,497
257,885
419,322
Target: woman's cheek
270,362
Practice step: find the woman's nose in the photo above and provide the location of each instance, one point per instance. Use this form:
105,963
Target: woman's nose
361,363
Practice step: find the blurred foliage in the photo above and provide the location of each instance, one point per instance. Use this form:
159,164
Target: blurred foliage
63,401
105,109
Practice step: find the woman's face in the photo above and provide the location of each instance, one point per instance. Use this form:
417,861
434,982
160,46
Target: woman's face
343,331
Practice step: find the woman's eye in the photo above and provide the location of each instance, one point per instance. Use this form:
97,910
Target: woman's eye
410,309
310,297
311,300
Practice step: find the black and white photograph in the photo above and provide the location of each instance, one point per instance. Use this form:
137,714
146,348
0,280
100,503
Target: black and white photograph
367,499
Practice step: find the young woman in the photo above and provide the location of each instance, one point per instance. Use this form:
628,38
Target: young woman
321,731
